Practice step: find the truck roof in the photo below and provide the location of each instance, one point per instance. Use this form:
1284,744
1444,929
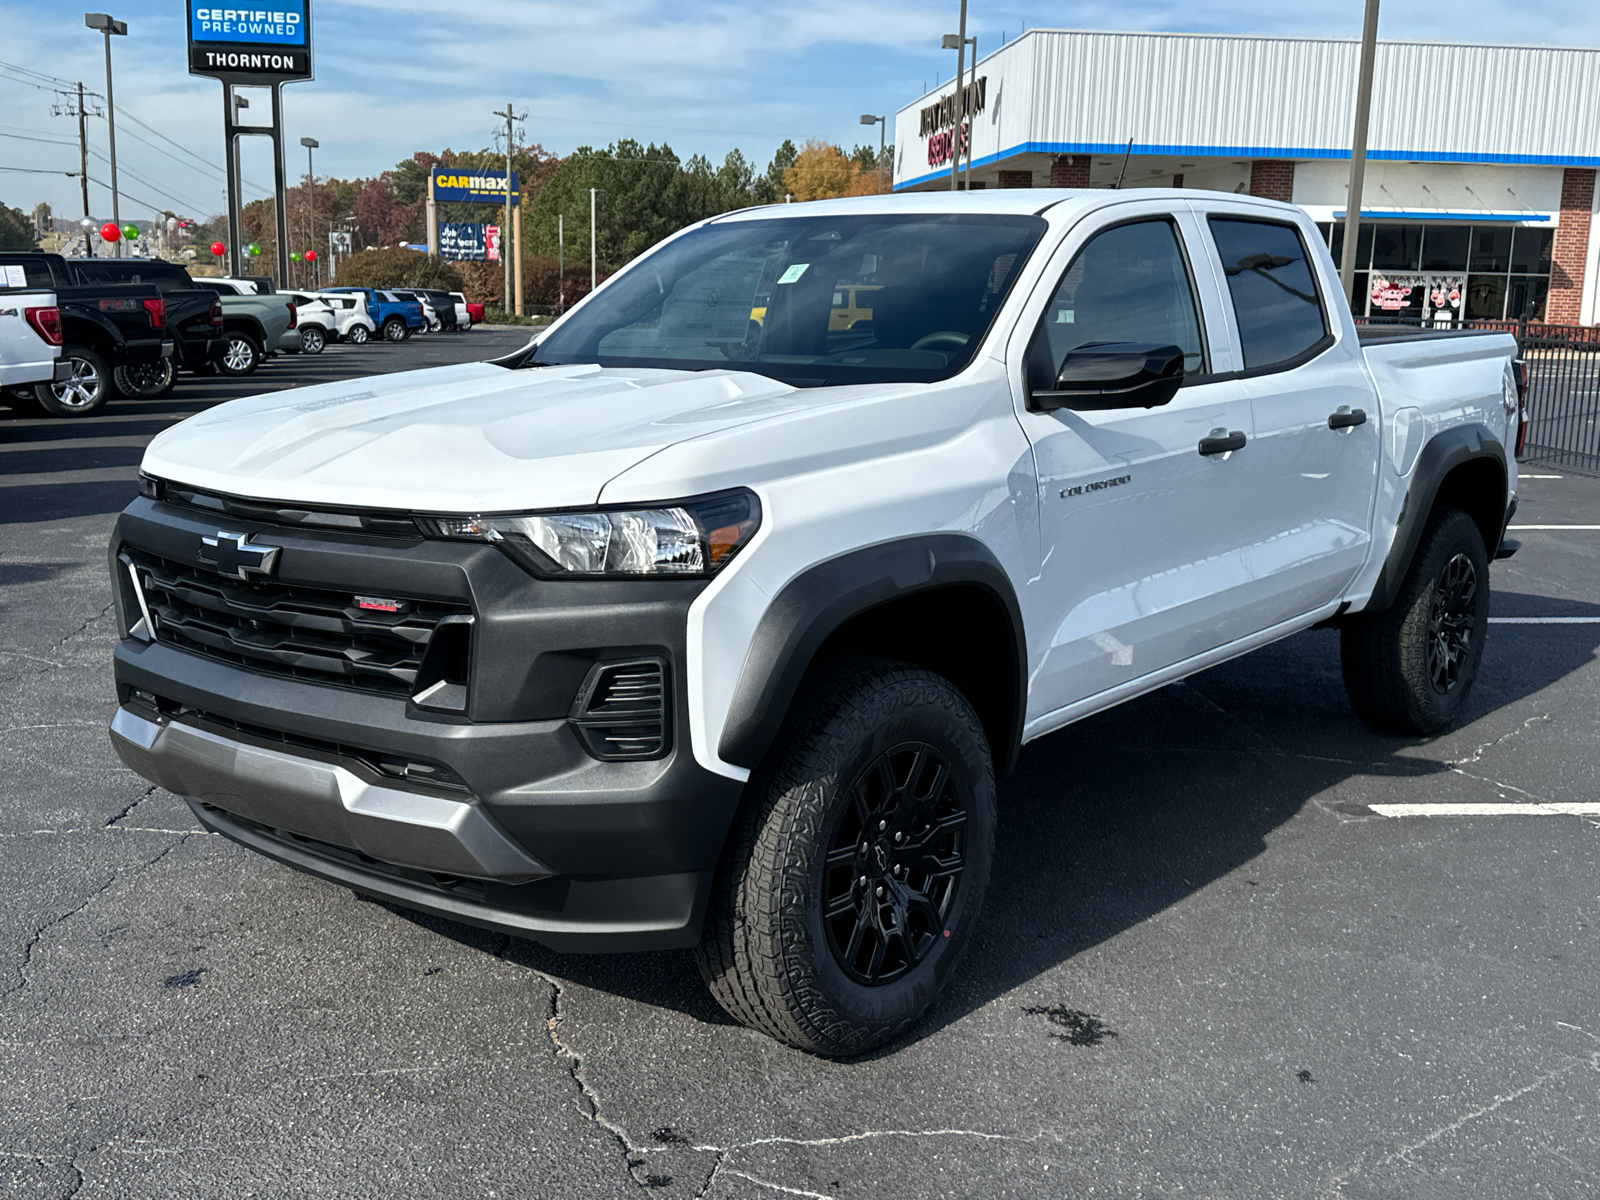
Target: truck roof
1000,201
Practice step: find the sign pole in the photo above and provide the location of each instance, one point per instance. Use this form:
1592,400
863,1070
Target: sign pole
280,174
230,127
433,221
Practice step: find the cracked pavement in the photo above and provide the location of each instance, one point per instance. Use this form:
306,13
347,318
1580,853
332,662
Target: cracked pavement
1206,968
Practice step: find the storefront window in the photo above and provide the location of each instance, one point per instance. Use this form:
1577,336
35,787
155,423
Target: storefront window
1530,251
1444,272
1444,247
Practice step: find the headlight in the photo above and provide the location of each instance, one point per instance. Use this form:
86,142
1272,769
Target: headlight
681,538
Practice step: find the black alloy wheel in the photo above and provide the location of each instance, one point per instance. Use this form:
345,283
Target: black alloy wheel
1452,623
894,864
146,380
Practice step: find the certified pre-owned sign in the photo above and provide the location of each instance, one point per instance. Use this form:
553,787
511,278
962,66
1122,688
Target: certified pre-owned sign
258,43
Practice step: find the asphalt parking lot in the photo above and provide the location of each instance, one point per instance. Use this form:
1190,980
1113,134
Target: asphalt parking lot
1210,964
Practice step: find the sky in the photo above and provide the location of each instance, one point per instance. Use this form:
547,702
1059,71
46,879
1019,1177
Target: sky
396,76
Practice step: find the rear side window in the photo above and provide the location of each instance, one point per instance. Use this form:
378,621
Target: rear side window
1274,294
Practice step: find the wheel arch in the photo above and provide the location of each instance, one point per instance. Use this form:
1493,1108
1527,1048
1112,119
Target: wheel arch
900,600
1463,468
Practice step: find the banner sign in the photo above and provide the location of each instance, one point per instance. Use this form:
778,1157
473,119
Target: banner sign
473,186
463,242
261,41
491,242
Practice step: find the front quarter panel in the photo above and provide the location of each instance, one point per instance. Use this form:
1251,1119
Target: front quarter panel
837,470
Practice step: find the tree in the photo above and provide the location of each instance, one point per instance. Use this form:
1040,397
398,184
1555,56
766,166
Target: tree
822,172
770,188
398,268
16,230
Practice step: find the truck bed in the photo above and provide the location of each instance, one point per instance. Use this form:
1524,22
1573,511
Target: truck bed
1371,334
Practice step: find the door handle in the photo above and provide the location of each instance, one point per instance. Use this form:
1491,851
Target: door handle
1220,441
1347,418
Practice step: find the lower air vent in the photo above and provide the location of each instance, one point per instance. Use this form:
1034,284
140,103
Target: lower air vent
621,710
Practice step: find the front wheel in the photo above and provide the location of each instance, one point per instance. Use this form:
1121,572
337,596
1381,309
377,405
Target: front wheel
85,390
146,380
1409,668
357,334
312,341
852,880
241,355
394,330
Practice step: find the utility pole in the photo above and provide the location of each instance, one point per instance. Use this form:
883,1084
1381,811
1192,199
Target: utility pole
970,122
561,262
106,25
592,260
83,161
311,143
1358,152
505,228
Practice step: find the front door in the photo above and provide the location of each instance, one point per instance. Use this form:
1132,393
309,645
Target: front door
1141,544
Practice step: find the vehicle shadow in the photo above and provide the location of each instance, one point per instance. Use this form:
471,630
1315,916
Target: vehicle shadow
1122,815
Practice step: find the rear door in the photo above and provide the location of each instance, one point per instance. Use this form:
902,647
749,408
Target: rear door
1140,554
1315,453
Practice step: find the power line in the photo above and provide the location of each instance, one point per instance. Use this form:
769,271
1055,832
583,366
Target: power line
46,141
39,171
198,158
155,187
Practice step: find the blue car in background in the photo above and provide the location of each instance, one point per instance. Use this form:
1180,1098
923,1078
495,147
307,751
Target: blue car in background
396,319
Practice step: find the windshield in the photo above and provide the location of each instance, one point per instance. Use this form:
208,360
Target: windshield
811,301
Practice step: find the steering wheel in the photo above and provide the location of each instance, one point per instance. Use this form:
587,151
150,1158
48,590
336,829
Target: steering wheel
942,339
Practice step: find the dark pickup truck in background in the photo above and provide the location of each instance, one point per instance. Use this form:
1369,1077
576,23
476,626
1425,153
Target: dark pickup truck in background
105,327
194,316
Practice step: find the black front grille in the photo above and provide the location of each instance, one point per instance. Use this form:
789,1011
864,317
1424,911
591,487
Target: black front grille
290,630
621,710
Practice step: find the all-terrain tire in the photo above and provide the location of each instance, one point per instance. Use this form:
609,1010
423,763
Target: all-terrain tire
865,737
146,380
1409,668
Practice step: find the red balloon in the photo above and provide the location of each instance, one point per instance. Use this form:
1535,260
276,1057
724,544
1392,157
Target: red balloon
218,249
109,231
311,256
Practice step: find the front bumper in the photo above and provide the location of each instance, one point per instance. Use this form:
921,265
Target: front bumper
535,836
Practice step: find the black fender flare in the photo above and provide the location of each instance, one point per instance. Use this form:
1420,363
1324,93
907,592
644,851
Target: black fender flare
823,597
1444,453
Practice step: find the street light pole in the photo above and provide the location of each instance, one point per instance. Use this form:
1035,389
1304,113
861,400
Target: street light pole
106,25
1358,152
958,43
592,240
311,143
883,125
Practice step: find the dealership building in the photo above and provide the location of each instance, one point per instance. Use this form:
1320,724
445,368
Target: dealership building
1480,197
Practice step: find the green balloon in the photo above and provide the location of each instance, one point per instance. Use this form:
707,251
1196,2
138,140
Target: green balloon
252,250
130,232
295,255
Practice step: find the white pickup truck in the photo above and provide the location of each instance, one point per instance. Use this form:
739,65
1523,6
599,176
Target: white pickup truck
711,618
30,335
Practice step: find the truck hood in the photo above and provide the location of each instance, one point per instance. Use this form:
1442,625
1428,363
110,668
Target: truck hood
467,438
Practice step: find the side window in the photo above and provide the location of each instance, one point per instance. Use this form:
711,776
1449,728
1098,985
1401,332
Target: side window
1274,292
1129,284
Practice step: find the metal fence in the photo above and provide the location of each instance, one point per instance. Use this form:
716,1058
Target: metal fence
1563,388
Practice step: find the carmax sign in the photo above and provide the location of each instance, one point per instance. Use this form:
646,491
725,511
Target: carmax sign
472,185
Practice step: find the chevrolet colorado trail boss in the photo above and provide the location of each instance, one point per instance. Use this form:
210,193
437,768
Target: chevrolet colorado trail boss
682,628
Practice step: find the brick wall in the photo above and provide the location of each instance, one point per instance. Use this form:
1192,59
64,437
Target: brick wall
1016,179
1070,171
1272,179
1571,247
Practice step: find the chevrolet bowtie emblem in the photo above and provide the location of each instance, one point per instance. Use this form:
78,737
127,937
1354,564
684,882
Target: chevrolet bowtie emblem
232,554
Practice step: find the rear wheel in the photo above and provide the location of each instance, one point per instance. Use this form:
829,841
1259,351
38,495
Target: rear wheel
357,334
1408,669
312,341
854,875
241,355
146,380
394,329
85,390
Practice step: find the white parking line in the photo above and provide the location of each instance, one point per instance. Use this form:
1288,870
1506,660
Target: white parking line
1520,475
1553,526
1544,620
1579,808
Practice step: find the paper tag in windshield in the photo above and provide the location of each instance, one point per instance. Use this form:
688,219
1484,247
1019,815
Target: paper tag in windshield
793,273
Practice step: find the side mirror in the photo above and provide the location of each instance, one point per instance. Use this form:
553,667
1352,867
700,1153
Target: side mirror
1106,375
